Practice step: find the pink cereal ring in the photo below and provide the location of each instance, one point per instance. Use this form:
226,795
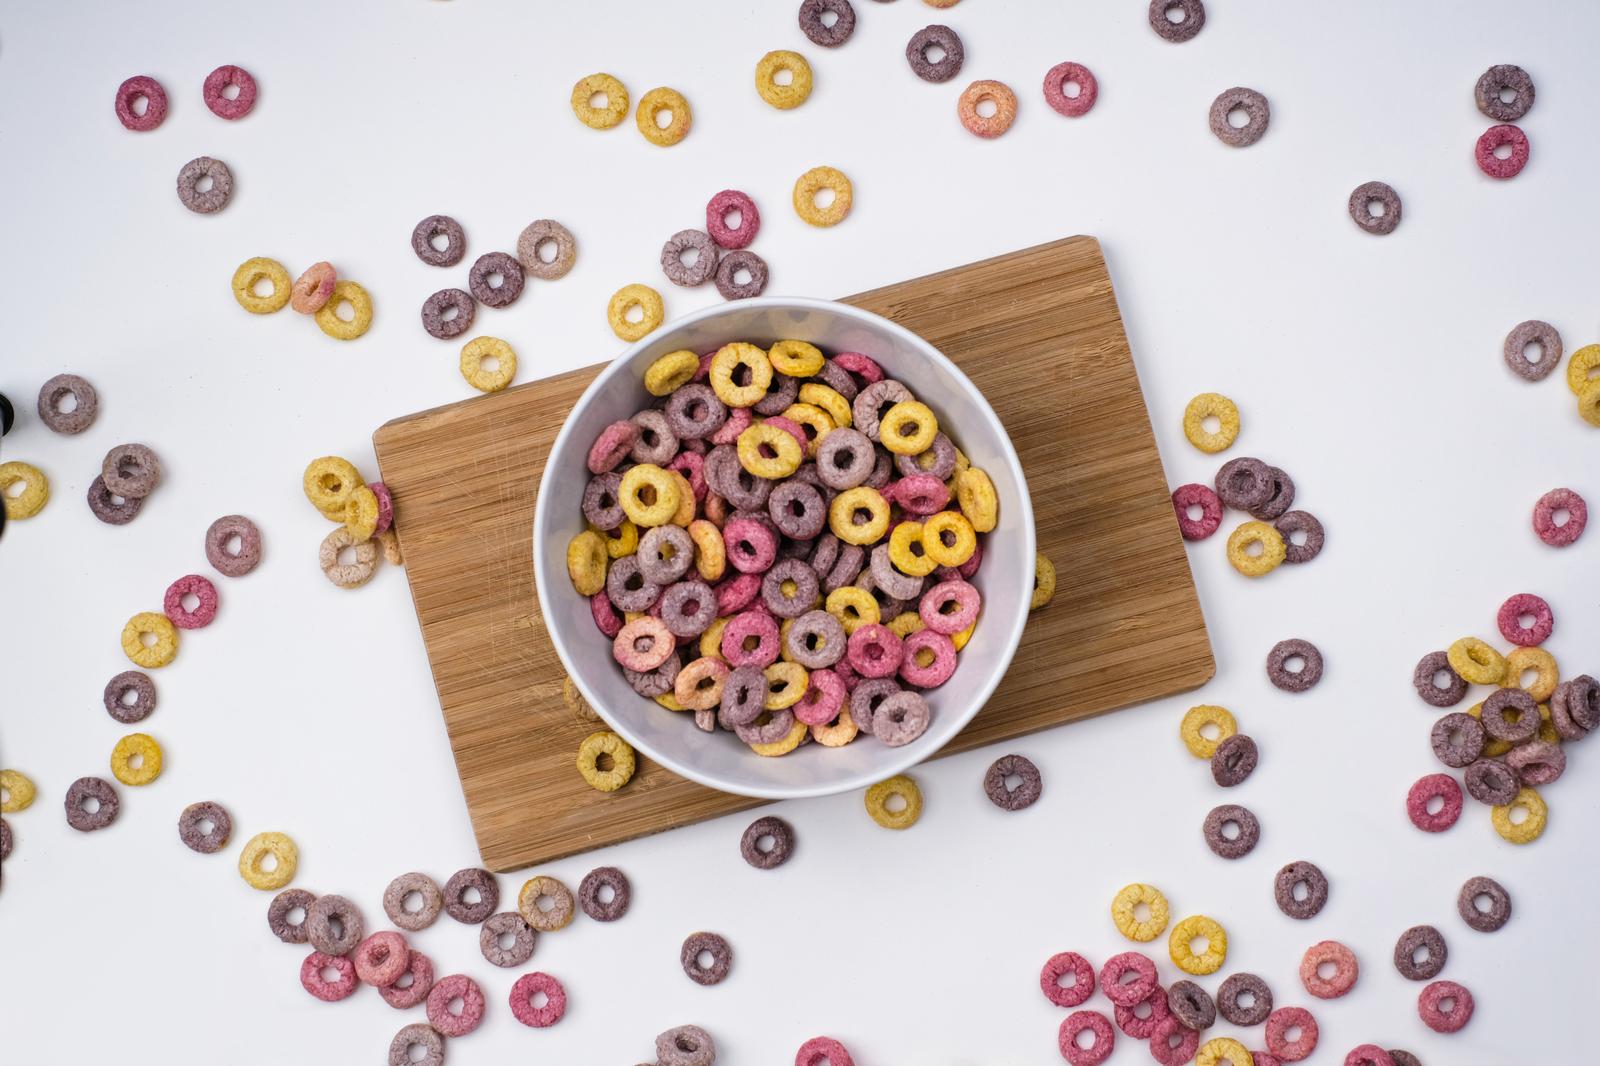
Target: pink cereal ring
313,288
755,626
612,446
1055,89
1510,619
1127,993
691,466
874,651
1435,786
724,204
1280,1022
734,594
1430,1006
1495,137
823,698
860,365
381,958
643,644
218,80
1162,1046
1058,966
934,602
1105,1039
445,992
1368,1055
420,967
752,546
1185,497
385,508
204,611
606,618
704,370
155,103
1544,517
844,672
1345,969
1128,1019
941,664
555,1000
789,426
920,494
739,420
312,981
823,1048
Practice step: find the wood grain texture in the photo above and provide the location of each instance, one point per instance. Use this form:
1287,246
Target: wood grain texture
1037,330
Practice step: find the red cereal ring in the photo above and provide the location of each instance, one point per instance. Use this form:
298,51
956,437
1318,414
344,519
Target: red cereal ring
205,609
1058,966
555,1000
606,618
1498,137
1187,497
1127,993
1081,1021
823,1048
1442,787
218,81
1510,619
155,100
824,697
1283,1021
860,366
734,594
1329,953
342,985
643,644
1431,1006
1056,81
1560,534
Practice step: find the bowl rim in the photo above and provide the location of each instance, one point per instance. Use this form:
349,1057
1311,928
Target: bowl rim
901,759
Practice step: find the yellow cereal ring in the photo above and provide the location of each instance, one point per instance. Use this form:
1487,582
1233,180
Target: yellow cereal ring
813,418
1547,727
790,741
1180,946
586,562
35,490
253,857
853,607
1530,828
156,655
1493,747
960,530
329,482
877,800
614,747
728,358
903,538
624,540
1589,403
19,791
1253,532
626,299
671,372
1223,1049
473,354
959,640
670,702
1211,405
711,639
786,683
795,358
903,624
361,514
139,746
848,505
1542,663
785,458
685,512
1583,362
608,114
908,428
253,271
976,497
829,400
837,735
558,916
1044,582
962,462
814,181
649,495
661,101
783,97
1122,912
345,291
710,551
1196,719
1476,662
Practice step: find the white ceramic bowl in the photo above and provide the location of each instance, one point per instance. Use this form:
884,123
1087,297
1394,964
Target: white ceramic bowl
718,759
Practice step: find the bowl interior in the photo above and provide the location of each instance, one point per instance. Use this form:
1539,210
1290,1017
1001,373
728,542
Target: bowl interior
718,759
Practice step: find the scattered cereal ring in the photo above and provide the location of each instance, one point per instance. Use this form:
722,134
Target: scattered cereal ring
1281,1023
251,273
724,205
1272,549
1214,829
622,761
742,261
432,229
130,92
1064,75
119,688
1589,403
819,32
141,747
1494,914
1420,938
218,81
1187,498
192,831
1300,522
680,271
347,575
483,287
1196,719
430,901
479,349
313,289
346,293
1235,988
658,102
437,317
686,1045
1425,680
84,791
1234,760
1493,86
1171,1042
1211,405
1545,512
1100,1046
86,404
343,985
329,483
776,830
1476,662
1375,194
605,115
131,471
1060,965
471,879
997,93
1044,582
1180,945
1509,619
1286,651
35,492
877,800
204,592
381,958
1441,787
155,655
1531,827
697,944
1127,900
254,855
1444,1006
446,991
1223,1049
1286,887
557,916
1581,366
783,97
416,1035
564,247
1191,19
597,880
213,198
1345,969
532,984
334,925
945,40
1546,675
1124,993
1530,334
820,1049
19,791
523,940
813,182
1495,138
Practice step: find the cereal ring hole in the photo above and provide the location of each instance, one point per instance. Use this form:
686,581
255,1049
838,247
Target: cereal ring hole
785,76
456,1005
1212,425
1559,517
448,314
1518,814
347,555
471,896
1445,1005
895,803
1376,208
1533,351
1435,805
1142,1009
733,218
1085,1038
823,197
135,760
1293,1034
1141,910
986,109
148,639
1175,13
1483,903
140,104
1294,664
663,117
1230,831
1211,731
262,285
294,916
1326,970
412,903
924,657
66,401
330,975
266,862
204,183
1301,892
1503,150
88,805
16,488
1202,941
599,101
742,276
1245,1000
604,764
1441,681
1420,955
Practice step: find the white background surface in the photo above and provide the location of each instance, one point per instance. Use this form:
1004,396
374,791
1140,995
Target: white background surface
1368,368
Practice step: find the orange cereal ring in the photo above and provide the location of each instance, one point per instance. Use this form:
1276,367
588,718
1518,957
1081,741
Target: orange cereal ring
997,93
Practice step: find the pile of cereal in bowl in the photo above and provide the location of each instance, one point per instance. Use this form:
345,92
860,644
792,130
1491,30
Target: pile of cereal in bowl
782,545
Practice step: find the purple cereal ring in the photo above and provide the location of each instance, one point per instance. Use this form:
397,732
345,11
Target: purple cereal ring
1281,499
838,379
602,501
783,391
1142,1027
735,235
734,594
119,688
470,879
665,554
739,419
1560,534
949,607
824,696
104,506
850,678
238,107
205,609
816,640
233,563
921,494
882,469
684,273
688,608
938,461
797,509
1510,620
1234,760
75,805
1567,727
643,644
1235,988
1431,1006
419,970
283,904
890,580
1128,964
846,569
743,262
1283,653
656,442
480,279
769,727
744,696
939,652
606,618
1511,715
1524,335
447,990
155,100
889,606
1441,787
1188,498
1060,965
1491,781
1537,762
334,925
381,958
415,1036
529,985
872,401
196,838
692,465
1056,81
612,446
1305,523
694,412
824,553
728,478
874,651
627,587
1244,483
1579,701
657,682
1494,138
845,458
1425,680
437,307
867,696
901,718
751,546
750,639
925,41
341,986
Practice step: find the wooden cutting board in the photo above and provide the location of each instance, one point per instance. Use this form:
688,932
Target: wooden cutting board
1037,330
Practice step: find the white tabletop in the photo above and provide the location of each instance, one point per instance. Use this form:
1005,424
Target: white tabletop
1368,368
